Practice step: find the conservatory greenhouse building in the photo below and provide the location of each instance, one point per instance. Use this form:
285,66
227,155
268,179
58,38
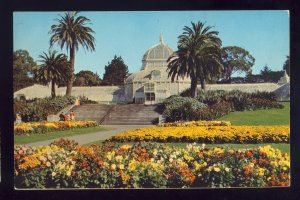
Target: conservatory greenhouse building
151,84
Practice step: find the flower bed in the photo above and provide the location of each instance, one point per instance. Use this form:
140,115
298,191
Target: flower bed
196,123
43,127
211,135
148,165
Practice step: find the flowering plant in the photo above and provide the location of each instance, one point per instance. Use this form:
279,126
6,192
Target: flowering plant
209,134
43,127
148,165
196,123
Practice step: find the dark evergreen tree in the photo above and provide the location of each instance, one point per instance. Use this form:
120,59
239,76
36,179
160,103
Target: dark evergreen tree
115,72
286,65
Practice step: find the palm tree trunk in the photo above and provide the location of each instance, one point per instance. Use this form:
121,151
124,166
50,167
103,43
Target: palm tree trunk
53,92
203,85
70,81
193,87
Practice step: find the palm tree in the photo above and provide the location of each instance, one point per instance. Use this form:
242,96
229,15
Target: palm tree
54,69
70,31
198,56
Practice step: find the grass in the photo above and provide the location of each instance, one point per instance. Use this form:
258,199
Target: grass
283,147
25,139
260,117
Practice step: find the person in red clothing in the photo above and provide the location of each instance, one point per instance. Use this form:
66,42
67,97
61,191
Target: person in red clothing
72,116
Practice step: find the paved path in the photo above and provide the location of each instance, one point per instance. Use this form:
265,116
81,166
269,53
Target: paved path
87,138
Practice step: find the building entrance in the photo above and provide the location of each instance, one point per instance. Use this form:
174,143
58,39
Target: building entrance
150,98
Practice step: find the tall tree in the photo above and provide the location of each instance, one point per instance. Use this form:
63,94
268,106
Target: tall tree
87,78
71,31
270,76
198,56
236,59
23,68
115,72
286,65
54,69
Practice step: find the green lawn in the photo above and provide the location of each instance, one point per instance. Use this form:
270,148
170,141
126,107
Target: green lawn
24,139
261,117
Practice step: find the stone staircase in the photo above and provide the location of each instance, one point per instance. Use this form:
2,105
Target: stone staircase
95,112
121,114
136,114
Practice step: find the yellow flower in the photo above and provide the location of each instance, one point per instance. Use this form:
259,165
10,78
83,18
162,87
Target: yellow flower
68,173
113,167
121,166
131,166
217,169
53,174
109,156
119,158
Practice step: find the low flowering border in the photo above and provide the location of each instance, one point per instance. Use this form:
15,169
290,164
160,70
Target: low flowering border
43,127
196,123
148,165
211,134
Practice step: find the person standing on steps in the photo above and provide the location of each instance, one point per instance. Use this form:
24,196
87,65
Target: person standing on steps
72,115
61,117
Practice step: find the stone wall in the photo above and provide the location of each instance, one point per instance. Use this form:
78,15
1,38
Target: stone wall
115,94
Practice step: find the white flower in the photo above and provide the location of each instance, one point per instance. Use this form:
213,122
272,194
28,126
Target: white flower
53,174
203,146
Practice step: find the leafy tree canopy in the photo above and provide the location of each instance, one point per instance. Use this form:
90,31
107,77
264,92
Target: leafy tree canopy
23,69
115,72
87,78
236,59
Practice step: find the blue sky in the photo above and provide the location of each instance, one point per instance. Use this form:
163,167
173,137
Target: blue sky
265,34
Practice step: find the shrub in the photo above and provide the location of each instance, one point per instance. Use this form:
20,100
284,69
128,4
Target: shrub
84,100
181,108
239,100
39,109
215,111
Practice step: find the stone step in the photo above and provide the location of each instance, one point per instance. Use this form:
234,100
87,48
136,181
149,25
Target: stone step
127,114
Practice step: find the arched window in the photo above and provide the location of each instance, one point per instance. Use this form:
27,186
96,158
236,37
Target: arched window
149,87
155,74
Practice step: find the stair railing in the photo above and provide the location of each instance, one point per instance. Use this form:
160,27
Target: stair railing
108,112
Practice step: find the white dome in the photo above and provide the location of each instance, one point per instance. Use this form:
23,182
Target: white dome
160,51
157,55
155,65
